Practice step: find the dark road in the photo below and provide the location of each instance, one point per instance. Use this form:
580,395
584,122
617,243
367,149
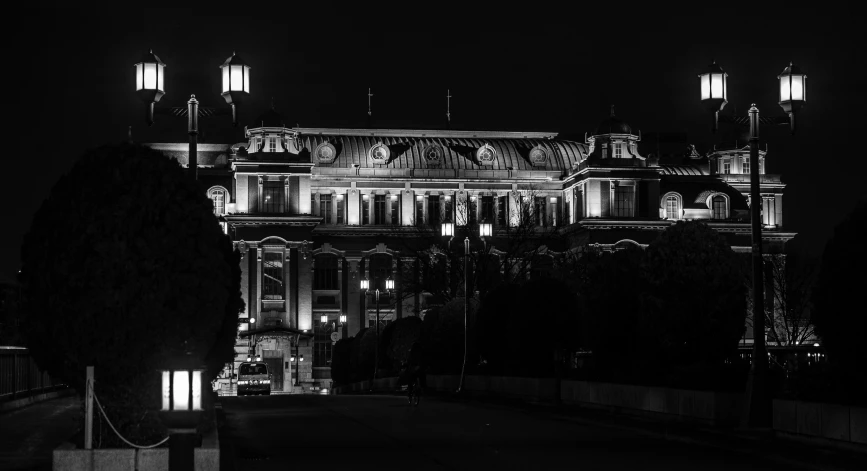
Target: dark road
383,432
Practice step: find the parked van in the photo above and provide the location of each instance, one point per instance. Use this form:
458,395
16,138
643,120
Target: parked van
253,378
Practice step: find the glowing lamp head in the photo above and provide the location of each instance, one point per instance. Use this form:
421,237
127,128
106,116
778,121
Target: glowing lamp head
292,358
258,357
486,229
236,80
323,318
182,390
389,284
249,358
343,318
793,88
300,357
365,284
252,320
448,229
150,78
713,88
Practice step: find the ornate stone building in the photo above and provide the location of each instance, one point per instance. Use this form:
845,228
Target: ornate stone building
314,210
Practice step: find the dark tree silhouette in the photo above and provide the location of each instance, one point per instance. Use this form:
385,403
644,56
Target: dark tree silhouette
839,312
126,268
695,301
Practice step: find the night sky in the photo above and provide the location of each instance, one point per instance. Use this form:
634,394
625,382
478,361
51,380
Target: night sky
554,70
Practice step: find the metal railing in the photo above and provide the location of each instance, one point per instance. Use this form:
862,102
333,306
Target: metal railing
20,377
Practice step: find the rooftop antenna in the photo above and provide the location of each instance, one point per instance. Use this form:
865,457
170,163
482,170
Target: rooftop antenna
129,135
448,108
612,111
369,113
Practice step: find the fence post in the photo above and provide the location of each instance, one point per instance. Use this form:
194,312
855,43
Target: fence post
14,376
88,410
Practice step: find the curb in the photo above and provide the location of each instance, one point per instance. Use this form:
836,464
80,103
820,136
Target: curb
762,443
30,400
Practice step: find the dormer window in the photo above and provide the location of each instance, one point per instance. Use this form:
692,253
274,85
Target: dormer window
272,145
726,167
672,206
746,166
618,150
719,207
218,196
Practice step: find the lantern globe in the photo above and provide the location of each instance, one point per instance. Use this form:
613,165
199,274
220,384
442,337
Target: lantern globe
235,80
793,88
485,229
389,284
713,84
365,284
150,78
447,229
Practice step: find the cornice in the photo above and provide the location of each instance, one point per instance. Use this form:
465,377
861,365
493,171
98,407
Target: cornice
271,220
425,133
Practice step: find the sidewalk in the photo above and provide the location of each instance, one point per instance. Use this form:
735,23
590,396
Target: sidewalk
797,453
29,435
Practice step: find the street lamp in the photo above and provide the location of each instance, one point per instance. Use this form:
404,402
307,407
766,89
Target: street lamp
485,230
792,99
389,286
150,87
180,411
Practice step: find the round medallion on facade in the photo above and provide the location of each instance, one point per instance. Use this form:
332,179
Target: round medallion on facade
538,156
486,155
379,153
433,155
325,152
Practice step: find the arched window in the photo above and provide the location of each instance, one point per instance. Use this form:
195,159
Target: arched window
219,197
718,207
672,206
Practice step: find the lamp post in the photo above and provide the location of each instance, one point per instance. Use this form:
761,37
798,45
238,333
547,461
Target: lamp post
793,85
389,286
150,87
448,230
180,411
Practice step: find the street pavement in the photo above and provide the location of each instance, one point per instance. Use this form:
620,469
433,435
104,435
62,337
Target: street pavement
383,432
28,435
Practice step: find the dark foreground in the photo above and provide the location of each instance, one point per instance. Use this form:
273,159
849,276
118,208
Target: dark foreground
383,433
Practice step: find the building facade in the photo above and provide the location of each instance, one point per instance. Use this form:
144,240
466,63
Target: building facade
315,210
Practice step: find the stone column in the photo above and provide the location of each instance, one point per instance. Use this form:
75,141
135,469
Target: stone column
305,294
352,207
407,207
304,194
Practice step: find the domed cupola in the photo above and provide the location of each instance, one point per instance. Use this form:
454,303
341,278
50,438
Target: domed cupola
612,141
270,134
612,125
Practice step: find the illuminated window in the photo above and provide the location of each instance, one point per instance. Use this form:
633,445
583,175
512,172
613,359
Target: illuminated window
273,197
447,213
746,166
272,276
672,207
726,167
718,204
472,207
272,145
624,197
618,150
218,197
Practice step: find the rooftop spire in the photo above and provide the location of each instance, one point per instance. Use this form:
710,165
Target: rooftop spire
448,108
612,111
272,102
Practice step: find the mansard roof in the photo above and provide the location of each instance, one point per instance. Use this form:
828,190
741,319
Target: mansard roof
696,190
459,148
680,170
